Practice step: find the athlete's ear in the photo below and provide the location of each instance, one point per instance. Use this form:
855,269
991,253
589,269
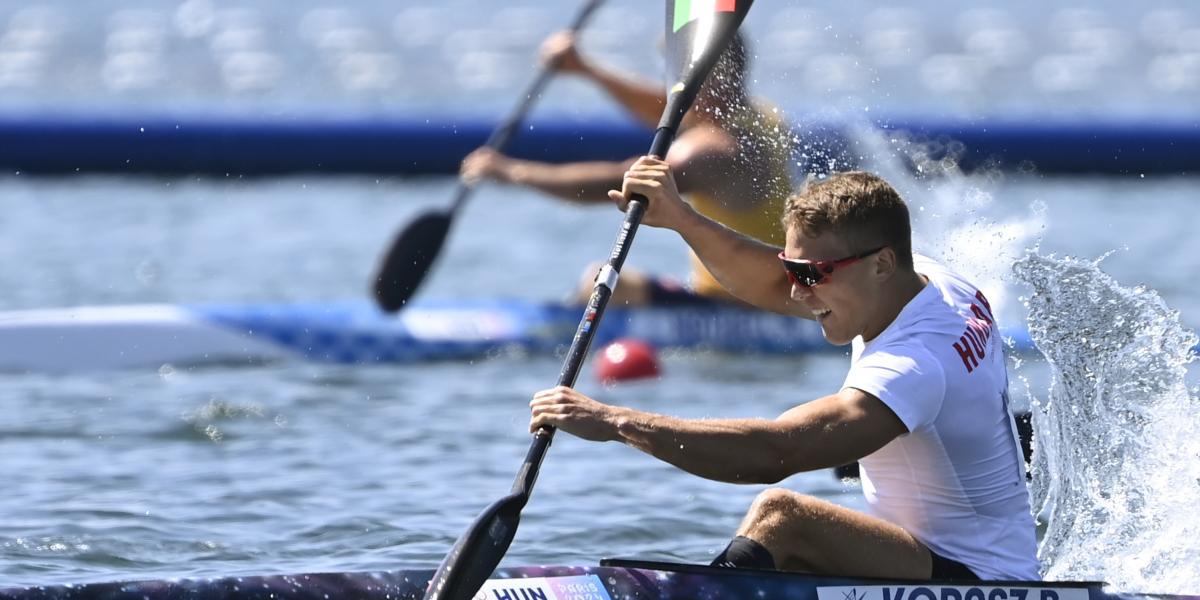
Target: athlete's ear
885,263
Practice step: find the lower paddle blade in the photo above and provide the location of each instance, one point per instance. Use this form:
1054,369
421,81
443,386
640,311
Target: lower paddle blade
409,259
477,553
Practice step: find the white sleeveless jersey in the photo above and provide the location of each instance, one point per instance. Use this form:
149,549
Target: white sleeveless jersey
956,480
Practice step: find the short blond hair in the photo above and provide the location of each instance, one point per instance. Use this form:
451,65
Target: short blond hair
858,206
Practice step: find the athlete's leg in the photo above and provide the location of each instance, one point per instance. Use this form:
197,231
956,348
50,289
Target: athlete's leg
804,533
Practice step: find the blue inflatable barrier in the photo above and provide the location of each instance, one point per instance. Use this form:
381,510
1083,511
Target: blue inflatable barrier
244,146
236,146
1070,147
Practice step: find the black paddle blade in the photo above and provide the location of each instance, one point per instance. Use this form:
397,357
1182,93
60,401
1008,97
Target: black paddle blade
409,259
477,553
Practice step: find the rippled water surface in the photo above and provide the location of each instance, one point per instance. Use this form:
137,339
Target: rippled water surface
293,467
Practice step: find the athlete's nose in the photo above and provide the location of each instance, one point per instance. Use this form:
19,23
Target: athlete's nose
801,293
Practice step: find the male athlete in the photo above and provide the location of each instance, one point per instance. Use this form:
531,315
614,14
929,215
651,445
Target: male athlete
923,408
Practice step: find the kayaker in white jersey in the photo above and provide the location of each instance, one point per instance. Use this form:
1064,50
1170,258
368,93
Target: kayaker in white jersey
924,407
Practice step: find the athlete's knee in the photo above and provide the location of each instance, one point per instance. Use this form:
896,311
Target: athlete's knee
778,509
774,506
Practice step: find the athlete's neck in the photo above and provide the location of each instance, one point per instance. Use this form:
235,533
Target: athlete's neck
893,297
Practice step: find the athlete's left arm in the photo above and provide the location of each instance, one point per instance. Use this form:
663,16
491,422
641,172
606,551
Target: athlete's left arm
827,432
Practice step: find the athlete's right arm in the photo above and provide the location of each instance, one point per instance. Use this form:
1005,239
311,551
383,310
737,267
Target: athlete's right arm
746,267
644,99
826,432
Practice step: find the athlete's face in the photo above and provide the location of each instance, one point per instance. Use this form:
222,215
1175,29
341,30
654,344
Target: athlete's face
842,301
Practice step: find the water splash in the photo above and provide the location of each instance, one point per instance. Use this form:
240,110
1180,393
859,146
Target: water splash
205,418
1117,456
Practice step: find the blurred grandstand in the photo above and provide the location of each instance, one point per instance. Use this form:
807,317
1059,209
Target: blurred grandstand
951,58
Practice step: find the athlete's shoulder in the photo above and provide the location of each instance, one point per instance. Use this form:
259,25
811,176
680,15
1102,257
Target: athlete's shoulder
700,148
959,293
934,268
968,333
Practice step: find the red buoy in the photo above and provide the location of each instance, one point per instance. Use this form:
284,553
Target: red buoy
626,359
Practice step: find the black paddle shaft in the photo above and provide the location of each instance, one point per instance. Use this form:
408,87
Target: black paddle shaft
481,547
479,550
602,290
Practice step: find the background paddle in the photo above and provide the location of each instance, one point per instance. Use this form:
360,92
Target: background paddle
415,248
697,32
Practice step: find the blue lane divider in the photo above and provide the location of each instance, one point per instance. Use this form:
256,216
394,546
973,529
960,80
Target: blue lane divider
246,146
234,146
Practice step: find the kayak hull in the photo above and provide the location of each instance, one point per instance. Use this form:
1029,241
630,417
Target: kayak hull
611,581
